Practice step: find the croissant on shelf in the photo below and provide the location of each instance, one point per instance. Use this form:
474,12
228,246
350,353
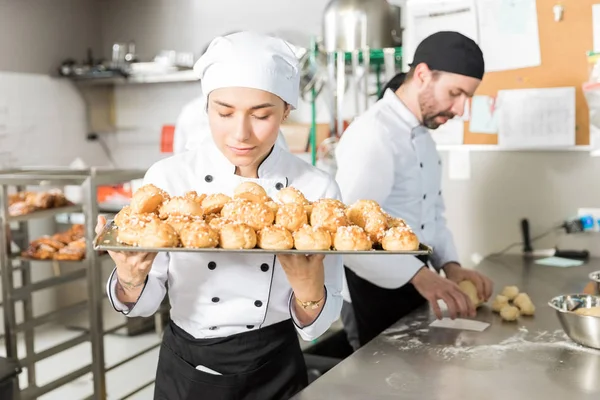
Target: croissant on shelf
251,219
63,246
22,203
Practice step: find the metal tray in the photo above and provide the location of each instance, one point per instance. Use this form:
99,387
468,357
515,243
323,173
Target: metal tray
107,240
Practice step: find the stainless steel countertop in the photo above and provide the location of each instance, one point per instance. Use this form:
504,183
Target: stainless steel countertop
530,359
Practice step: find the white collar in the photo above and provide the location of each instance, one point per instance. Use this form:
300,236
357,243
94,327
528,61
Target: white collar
268,169
399,108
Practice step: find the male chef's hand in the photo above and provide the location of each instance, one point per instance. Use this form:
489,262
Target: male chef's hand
434,287
457,274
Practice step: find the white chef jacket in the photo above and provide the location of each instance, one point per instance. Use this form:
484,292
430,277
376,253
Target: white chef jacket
216,295
387,156
192,128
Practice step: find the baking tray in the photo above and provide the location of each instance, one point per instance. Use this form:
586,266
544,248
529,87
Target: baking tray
107,240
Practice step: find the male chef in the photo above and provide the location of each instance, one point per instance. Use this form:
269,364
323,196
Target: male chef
388,155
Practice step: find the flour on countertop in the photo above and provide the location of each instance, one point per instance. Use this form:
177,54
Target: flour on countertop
522,341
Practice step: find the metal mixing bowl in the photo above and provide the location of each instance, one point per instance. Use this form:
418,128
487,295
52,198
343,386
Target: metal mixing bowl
582,329
595,277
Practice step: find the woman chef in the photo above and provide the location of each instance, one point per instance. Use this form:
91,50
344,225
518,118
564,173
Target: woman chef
235,318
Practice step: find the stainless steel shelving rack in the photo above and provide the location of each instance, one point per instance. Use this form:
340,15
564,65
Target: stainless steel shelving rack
89,180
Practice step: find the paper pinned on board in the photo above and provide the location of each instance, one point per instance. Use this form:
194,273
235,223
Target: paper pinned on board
596,26
425,17
508,34
536,118
460,323
450,133
484,118
466,111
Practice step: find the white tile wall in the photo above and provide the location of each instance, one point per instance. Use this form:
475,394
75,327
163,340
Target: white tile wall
45,122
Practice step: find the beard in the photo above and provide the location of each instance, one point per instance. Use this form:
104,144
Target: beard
429,113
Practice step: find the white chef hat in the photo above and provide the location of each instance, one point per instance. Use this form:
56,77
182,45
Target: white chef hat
252,60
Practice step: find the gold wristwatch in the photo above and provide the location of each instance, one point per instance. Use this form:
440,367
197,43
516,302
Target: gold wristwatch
311,305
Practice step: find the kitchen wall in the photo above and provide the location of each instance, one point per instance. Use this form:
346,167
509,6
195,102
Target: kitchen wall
483,212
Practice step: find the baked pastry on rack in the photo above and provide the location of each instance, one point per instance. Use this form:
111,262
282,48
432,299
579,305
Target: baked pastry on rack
237,236
312,238
291,216
400,239
256,215
351,238
328,215
250,191
274,237
180,206
148,231
291,195
147,199
213,203
198,235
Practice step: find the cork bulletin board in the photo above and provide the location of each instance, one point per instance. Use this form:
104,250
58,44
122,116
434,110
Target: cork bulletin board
563,47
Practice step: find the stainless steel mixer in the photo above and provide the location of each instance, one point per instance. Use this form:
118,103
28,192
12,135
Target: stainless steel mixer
357,27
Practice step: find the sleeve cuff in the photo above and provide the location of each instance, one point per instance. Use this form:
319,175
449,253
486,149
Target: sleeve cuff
329,312
111,290
293,311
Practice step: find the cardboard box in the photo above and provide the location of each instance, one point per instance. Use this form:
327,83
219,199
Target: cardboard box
297,135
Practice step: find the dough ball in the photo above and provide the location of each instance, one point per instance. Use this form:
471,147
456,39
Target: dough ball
470,290
527,308
521,298
499,302
509,313
510,291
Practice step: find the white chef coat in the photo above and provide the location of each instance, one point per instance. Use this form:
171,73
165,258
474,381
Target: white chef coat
216,295
387,156
192,128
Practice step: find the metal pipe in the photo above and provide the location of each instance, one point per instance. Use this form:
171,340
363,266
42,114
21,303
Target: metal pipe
90,209
136,355
115,328
356,81
51,316
33,358
341,86
366,53
7,277
35,392
139,389
332,87
313,105
22,292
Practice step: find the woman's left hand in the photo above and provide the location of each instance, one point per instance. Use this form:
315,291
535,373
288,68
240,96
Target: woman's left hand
306,275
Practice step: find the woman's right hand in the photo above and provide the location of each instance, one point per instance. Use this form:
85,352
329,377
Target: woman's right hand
132,269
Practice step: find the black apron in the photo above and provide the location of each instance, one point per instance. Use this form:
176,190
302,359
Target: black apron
375,308
263,364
